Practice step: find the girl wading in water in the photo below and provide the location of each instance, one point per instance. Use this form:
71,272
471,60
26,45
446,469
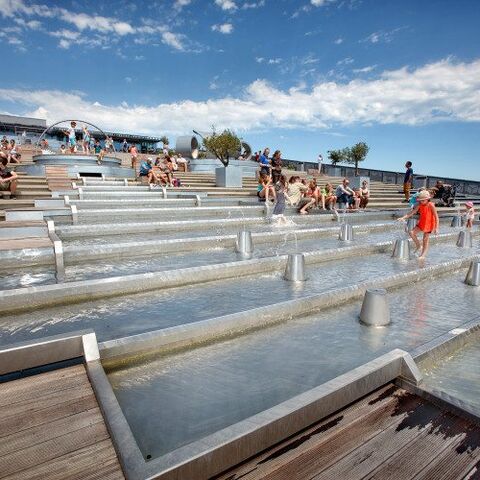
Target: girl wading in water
427,223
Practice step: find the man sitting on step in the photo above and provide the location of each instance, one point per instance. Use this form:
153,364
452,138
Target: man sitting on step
8,179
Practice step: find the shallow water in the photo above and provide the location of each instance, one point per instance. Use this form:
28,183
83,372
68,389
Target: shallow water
131,314
172,401
458,375
210,256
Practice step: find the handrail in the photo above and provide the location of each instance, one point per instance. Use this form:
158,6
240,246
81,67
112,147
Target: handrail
77,121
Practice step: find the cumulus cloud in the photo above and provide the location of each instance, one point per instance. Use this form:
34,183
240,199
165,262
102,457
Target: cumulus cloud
249,5
441,91
226,4
174,40
106,29
225,28
179,4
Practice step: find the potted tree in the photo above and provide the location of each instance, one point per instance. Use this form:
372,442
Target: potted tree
224,146
357,154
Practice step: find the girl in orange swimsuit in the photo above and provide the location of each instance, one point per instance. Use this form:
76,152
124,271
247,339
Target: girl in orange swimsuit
427,223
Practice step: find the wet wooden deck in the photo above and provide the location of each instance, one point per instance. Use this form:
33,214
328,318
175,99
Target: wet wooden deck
51,428
390,434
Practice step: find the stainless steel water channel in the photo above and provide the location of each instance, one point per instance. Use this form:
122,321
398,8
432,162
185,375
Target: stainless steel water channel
147,302
173,400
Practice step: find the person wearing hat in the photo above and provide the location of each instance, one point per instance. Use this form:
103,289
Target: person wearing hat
427,223
469,214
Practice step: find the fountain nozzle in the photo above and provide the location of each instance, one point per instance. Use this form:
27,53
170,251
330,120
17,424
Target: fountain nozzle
375,309
295,269
473,274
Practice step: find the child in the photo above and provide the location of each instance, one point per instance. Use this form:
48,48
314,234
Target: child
280,189
469,214
427,223
99,152
265,189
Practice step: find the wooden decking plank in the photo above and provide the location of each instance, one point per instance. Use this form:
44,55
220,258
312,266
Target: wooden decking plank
456,461
418,454
367,457
56,398
21,390
326,454
46,415
85,463
57,447
287,450
24,439
376,414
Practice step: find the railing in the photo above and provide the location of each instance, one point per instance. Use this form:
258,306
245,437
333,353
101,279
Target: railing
467,187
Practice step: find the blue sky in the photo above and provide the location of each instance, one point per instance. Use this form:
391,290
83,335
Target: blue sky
301,76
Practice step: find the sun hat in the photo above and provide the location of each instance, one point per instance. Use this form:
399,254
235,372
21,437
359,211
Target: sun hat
423,195
469,204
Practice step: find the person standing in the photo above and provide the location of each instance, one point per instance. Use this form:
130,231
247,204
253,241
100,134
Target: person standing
265,162
427,223
320,161
407,181
70,133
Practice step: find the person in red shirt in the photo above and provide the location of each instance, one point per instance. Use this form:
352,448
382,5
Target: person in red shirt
427,223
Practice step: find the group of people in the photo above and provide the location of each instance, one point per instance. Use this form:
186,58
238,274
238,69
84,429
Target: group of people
305,195
161,172
9,150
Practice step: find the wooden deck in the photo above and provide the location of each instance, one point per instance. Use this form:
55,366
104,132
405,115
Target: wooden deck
51,428
390,434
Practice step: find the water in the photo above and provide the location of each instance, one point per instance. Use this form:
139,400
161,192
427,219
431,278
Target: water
172,401
131,314
458,375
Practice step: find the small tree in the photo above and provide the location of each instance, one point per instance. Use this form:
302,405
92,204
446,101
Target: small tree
338,156
357,154
223,145
165,140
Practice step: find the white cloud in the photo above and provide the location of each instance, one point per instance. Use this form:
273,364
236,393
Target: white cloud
274,61
338,41
321,3
179,4
346,61
367,69
173,40
226,4
107,29
128,79
259,59
441,91
381,36
225,28
65,44
249,5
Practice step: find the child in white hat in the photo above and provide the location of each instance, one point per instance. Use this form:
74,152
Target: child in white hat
427,223
469,214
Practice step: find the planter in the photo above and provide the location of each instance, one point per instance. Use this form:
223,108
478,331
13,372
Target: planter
356,182
230,177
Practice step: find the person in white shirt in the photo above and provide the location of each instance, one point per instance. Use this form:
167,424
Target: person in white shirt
320,161
70,133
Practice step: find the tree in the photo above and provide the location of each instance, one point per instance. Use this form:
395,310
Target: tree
223,145
165,140
338,156
357,154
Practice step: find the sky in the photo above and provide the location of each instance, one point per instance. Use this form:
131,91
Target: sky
301,76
